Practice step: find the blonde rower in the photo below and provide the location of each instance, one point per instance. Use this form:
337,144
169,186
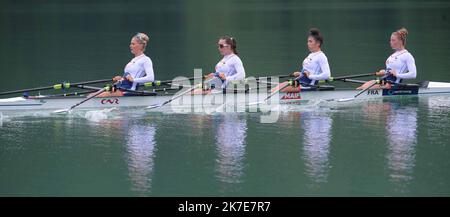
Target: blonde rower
138,71
400,65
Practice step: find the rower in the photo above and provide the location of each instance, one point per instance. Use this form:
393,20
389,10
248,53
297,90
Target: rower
400,65
315,65
230,67
138,71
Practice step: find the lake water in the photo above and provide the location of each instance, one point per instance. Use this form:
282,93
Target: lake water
391,147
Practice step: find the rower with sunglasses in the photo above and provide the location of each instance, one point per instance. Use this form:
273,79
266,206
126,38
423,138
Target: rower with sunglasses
230,68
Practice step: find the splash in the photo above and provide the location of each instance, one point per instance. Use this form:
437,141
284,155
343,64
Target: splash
99,115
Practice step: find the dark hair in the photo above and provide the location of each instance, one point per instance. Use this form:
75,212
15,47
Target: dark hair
315,33
230,41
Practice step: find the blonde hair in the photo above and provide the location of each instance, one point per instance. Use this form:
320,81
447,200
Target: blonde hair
401,34
142,38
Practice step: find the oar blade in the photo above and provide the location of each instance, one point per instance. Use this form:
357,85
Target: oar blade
61,111
255,103
346,99
154,106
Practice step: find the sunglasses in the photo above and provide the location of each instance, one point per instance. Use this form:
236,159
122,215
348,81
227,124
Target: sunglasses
223,45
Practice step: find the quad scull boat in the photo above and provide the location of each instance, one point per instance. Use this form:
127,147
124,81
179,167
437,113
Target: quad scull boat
218,98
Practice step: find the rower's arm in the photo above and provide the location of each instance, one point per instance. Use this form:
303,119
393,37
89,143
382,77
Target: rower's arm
149,75
240,71
325,68
412,71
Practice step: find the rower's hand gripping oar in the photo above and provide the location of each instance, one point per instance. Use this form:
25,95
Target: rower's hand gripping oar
175,97
107,88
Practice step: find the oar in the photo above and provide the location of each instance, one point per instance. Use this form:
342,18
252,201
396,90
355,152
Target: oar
107,88
139,92
81,86
168,82
289,83
65,94
351,76
258,80
359,93
64,85
347,78
350,80
279,76
175,97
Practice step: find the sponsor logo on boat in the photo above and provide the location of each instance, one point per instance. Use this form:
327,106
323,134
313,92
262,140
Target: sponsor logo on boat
110,101
290,96
401,92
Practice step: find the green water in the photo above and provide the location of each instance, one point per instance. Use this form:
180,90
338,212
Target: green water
395,147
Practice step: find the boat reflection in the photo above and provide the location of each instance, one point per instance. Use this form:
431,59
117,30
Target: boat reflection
316,144
231,131
399,118
401,130
438,107
140,155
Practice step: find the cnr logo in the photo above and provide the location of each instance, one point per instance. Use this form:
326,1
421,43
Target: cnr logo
372,92
110,101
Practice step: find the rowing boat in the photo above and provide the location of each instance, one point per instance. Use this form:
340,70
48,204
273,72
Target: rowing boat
217,98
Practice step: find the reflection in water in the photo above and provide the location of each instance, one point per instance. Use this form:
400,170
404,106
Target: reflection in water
230,141
317,137
140,156
401,130
438,118
438,113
